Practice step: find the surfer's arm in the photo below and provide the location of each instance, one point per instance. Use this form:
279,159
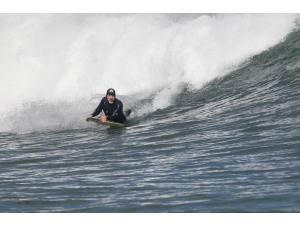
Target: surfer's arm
98,109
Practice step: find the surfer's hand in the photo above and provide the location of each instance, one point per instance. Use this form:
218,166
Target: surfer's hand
88,118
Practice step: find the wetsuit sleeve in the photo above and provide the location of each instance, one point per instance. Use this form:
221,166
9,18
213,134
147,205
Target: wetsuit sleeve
99,108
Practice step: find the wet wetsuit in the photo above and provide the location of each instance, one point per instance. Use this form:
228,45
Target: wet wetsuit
114,111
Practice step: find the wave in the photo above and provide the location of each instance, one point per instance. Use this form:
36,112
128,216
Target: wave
52,65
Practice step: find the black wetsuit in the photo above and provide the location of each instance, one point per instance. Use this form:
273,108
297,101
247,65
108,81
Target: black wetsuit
114,111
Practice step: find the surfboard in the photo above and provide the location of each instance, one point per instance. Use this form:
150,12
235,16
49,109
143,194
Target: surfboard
108,123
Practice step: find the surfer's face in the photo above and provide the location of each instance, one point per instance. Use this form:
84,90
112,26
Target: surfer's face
110,98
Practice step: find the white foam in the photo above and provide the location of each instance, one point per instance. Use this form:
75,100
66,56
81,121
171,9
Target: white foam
61,58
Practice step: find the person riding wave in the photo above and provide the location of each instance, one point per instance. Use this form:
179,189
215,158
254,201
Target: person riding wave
112,108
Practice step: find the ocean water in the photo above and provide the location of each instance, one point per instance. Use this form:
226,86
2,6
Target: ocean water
215,124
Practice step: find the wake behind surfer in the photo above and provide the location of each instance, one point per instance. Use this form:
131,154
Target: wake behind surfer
112,108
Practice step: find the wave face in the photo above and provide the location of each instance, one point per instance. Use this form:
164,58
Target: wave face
216,118
57,62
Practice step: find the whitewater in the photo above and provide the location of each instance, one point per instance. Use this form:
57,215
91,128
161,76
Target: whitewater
215,121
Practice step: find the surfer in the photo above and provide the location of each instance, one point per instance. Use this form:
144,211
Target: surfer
112,108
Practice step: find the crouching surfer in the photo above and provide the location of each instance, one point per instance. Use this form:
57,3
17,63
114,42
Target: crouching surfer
112,108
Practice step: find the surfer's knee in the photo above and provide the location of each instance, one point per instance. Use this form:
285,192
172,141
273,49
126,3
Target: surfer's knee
103,119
